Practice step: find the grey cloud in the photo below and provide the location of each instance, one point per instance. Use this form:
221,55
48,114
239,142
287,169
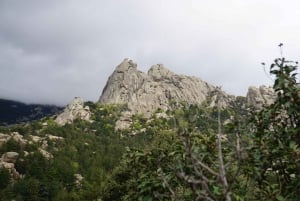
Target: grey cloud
51,51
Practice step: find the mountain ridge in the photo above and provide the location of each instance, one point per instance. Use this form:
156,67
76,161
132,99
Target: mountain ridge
14,112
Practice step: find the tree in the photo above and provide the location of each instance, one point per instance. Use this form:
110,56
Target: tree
181,163
28,189
274,160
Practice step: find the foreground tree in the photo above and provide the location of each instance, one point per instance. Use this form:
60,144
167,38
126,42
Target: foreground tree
182,162
274,160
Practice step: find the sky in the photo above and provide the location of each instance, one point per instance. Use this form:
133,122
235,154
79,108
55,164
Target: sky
52,51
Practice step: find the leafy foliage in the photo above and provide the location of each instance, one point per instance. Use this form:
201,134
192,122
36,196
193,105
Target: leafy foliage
275,149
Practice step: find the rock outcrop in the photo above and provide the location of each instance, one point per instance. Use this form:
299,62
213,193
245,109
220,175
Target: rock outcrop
146,92
259,96
11,169
74,110
12,136
8,159
78,180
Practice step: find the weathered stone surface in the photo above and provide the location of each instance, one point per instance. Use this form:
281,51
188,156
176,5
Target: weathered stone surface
125,121
54,138
224,99
11,169
145,93
35,138
45,124
74,110
50,137
45,153
26,153
259,96
10,157
78,180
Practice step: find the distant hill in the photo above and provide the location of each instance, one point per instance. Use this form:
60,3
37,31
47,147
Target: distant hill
13,112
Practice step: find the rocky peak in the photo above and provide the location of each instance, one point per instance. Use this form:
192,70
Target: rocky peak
145,93
74,110
159,72
123,83
126,65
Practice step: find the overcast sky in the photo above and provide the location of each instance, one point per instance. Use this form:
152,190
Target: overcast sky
54,50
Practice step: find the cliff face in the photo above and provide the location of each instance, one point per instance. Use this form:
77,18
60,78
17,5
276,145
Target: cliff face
146,92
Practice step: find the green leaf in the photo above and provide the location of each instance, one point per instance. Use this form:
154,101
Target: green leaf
280,198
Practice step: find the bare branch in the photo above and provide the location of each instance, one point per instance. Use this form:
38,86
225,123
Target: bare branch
198,162
222,172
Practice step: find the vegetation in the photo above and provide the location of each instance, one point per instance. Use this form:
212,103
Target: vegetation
195,153
274,159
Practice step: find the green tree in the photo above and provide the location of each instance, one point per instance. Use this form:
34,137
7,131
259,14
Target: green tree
28,189
10,145
4,178
275,154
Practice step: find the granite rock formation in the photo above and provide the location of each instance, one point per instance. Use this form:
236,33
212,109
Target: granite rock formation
8,159
74,110
12,136
146,92
259,96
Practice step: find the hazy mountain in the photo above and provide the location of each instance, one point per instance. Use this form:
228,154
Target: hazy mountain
13,112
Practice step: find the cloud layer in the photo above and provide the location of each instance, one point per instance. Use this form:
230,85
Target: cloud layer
51,51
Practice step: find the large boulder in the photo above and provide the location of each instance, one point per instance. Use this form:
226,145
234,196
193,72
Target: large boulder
10,157
11,169
45,153
7,161
74,110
